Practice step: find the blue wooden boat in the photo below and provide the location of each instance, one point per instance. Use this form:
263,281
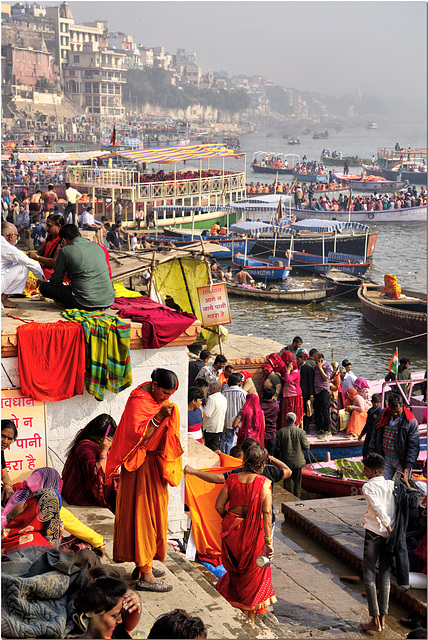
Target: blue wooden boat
348,263
262,269
227,243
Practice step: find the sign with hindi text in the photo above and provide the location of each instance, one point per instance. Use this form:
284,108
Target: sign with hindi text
214,304
30,449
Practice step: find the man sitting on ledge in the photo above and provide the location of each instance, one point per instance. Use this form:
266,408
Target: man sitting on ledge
84,262
15,266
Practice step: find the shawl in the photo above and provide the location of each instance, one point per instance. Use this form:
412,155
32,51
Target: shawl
276,361
253,421
287,357
267,370
361,383
126,448
43,478
386,417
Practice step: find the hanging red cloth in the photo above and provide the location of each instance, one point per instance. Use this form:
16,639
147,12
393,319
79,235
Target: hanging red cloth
160,324
51,360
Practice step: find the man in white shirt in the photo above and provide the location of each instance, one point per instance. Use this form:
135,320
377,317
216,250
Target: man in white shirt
348,377
89,223
235,397
73,196
379,521
15,266
213,418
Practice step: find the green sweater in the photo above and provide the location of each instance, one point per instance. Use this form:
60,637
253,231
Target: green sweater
84,262
289,446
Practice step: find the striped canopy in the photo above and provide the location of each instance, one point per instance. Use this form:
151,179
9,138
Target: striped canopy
178,154
72,156
252,228
320,226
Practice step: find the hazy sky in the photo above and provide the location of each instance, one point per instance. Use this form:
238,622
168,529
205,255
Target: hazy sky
330,47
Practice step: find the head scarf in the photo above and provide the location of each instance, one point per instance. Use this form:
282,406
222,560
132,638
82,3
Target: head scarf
246,375
334,365
352,393
361,383
302,352
277,363
267,367
43,478
253,421
287,357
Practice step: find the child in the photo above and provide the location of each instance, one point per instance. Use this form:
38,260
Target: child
194,399
373,416
270,410
379,521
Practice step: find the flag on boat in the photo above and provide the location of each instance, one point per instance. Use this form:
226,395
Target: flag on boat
275,184
223,193
393,363
113,138
279,210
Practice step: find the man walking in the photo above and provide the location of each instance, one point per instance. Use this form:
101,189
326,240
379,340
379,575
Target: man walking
322,374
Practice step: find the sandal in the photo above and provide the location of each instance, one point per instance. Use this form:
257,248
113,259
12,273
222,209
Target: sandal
158,573
160,587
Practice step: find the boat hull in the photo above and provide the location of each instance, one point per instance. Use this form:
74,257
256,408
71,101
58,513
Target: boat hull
289,296
282,171
320,268
263,270
410,214
412,177
397,322
340,162
310,177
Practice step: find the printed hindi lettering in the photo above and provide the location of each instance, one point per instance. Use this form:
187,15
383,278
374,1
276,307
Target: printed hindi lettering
36,441
31,461
15,419
28,422
15,464
6,402
18,402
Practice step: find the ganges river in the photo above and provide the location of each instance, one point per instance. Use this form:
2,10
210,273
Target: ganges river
337,326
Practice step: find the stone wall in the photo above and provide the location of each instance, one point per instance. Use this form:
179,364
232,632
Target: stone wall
65,418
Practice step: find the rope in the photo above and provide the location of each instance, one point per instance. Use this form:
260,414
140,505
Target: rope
379,344
8,377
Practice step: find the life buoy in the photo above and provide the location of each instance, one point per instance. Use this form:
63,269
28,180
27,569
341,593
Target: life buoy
370,215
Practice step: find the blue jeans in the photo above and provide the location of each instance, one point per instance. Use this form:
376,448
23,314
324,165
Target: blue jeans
392,465
374,548
227,440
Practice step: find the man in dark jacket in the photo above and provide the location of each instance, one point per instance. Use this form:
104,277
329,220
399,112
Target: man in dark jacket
396,438
196,365
306,384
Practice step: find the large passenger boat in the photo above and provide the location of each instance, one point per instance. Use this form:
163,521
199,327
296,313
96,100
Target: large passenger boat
403,164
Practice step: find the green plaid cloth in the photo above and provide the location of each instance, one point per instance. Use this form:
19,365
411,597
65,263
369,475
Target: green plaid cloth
351,468
107,350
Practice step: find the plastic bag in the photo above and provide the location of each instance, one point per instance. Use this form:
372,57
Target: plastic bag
343,419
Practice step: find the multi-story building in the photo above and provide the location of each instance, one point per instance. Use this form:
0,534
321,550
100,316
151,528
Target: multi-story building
94,79
25,66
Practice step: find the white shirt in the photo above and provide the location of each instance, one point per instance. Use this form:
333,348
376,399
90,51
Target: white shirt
380,505
134,242
72,195
88,218
348,381
214,413
11,255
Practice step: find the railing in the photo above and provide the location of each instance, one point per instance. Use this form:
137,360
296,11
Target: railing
100,177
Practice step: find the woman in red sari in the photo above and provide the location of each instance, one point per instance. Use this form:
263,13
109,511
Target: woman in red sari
292,399
252,420
49,250
246,535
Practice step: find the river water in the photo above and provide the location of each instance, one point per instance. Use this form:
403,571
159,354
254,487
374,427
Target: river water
337,326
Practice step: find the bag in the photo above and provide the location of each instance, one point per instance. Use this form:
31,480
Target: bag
344,418
309,408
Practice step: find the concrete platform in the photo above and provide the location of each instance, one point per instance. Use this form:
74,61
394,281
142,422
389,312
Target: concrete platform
238,347
337,523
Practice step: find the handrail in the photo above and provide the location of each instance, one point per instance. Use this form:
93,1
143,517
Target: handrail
400,383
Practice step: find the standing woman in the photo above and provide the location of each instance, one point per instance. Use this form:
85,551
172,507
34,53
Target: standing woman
8,435
147,447
252,420
246,535
337,398
292,399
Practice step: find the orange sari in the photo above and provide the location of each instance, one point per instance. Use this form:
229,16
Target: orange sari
140,527
358,417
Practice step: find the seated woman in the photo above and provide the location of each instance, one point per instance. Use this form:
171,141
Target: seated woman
84,470
246,535
49,250
98,607
357,407
9,433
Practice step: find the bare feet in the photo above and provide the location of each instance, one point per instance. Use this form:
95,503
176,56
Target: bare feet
252,615
382,622
8,304
373,625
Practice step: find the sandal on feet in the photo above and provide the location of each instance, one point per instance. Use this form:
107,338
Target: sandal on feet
160,587
158,573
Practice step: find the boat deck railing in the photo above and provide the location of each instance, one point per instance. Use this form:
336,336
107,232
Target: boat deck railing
128,183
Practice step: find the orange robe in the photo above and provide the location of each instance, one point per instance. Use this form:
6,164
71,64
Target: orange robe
140,526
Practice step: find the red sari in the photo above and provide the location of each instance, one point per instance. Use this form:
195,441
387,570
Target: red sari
245,585
253,420
48,250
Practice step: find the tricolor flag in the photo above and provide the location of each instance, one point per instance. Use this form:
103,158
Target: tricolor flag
393,363
113,138
279,211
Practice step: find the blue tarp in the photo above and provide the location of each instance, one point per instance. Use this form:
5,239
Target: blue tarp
320,226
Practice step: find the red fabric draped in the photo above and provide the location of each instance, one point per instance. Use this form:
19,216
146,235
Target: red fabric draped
47,250
287,357
160,324
386,417
253,420
51,360
277,363
245,585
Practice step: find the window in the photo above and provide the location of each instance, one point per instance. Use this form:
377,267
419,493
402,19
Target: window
88,74
95,87
71,72
88,87
103,88
64,54
103,102
117,89
76,59
88,101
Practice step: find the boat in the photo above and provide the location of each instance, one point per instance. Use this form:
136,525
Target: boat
404,318
342,476
370,184
409,214
346,284
372,125
320,136
347,263
411,164
310,176
307,131
274,163
353,161
318,237
371,169
272,269
290,295
293,141
180,237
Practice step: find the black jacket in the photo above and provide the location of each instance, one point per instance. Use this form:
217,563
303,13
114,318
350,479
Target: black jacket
406,441
306,381
406,505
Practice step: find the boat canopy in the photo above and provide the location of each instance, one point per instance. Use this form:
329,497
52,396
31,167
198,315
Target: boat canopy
252,228
253,204
177,154
72,156
327,226
182,208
